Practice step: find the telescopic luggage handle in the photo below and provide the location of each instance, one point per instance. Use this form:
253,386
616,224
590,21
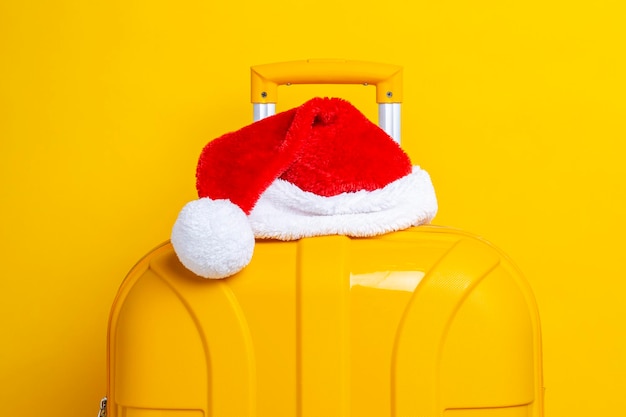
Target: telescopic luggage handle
387,78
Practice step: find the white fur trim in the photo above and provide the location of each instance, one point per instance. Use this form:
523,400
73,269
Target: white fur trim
213,238
286,212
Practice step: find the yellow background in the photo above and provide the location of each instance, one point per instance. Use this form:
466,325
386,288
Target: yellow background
515,108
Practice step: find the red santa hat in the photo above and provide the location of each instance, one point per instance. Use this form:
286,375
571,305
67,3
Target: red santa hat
319,169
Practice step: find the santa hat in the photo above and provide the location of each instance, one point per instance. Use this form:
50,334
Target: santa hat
319,169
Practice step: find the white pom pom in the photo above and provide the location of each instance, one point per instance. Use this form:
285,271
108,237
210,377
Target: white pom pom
213,238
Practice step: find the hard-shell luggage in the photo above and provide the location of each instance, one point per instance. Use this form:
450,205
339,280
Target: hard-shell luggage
423,322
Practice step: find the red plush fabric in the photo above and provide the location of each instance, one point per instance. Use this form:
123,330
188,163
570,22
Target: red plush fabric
326,146
240,165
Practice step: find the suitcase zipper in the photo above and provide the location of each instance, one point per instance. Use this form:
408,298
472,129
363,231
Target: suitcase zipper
103,408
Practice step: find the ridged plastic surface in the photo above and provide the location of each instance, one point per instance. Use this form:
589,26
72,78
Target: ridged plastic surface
420,323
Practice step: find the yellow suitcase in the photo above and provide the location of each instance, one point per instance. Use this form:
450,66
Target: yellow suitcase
423,322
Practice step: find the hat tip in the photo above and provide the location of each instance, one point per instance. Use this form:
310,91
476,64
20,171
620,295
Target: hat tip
213,238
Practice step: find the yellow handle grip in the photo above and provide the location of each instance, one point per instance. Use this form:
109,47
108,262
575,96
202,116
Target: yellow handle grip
266,78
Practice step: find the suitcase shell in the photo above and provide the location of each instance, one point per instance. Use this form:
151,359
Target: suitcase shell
424,322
